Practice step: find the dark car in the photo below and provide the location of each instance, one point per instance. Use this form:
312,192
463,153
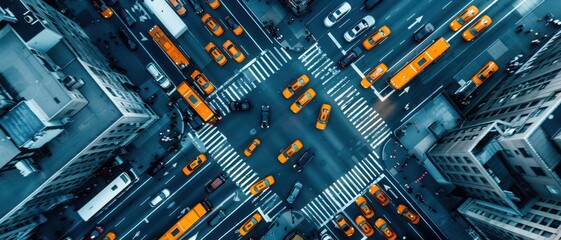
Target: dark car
242,105
423,32
369,4
351,56
98,230
216,183
197,7
156,167
294,192
265,116
129,20
126,37
303,160
217,219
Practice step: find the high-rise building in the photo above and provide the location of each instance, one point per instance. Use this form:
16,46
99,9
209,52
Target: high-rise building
506,154
299,7
63,112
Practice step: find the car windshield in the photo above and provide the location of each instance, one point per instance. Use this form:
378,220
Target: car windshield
473,31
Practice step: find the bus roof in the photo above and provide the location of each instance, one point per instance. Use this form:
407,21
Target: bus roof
195,101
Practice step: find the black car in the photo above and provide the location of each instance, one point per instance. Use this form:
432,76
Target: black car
369,4
423,32
239,105
303,160
265,116
231,23
129,20
156,167
197,7
127,39
217,219
98,230
351,56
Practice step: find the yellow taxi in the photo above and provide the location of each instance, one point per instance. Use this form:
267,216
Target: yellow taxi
233,25
250,224
383,226
303,100
110,236
364,226
214,4
233,51
466,16
323,116
202,81
374,75
212,25
365,208
216,54
177,5
344,224
103,9
376,38
251,147
261,185
478,27
194,164
292,149
300,82
485,73
408,214
379,194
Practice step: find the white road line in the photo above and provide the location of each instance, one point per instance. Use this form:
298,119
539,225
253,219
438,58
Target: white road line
446,5
357,70
381,59
277,61
287,55
315,45
255,76
256,68
264,69
334,41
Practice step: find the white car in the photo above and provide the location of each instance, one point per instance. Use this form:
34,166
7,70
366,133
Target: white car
361,27
159,198
337,14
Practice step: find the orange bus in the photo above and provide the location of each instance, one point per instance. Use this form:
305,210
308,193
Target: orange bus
187,221
195,101
169,48
413,68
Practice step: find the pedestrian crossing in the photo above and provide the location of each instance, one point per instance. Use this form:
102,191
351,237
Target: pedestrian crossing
256,71
317,62
344,191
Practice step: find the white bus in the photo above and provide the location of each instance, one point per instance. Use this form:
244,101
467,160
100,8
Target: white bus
108,194
170,20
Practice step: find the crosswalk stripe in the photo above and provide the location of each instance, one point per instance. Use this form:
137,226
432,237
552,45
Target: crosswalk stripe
344,181
229,161
284,51
337,89
239,166
280,55
306,53
359,174
330,197
249,180
248,87
321,67
309,215
255,68
243,168
206,128
230,98
319,212
272,62
265,62
368,123
353,109
223,156
371,165
218,155
276,59
336,186
381,139
365,168
209,137
315,62
264,69
214,146
329,205
252,73
373,132
343,94
224,104
210,144
354,184
234,163
364,119
308,59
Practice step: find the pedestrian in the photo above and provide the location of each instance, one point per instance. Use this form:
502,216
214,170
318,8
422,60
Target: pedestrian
539,19
537,33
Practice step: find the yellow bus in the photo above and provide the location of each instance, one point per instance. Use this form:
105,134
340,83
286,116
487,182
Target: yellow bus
196,102
187,221
169,48
424,59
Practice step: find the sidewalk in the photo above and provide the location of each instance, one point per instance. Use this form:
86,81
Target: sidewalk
292,29
290,221
404,157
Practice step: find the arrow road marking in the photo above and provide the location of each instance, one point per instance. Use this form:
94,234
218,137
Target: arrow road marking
417,20
404,91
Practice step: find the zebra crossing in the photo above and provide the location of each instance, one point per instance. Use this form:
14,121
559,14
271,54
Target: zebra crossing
316,61
344,191
268,202
256,71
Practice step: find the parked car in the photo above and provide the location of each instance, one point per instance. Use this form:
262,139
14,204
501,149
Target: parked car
126,16
233,25
160,197
96,232
359,28
485,73
265,116
216,183
127,38
350,57
242,105
197,7
423,32
337,14
294,192
156,167
220,216
303,160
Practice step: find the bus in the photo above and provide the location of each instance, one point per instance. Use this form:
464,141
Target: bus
187,221
424,59
174,54
108,194
167,16
195,101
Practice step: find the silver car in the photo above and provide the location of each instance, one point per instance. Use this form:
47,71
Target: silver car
294,192
337,14
160,78
361,27
159,198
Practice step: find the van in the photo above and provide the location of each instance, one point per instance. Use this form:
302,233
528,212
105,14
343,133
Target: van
303,160
159,77
217,219
216,183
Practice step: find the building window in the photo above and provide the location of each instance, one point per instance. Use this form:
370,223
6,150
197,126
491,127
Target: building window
552,189
508,153
520,169
538,171
524,152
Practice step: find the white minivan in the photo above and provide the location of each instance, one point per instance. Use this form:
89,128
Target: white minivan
160,78
159,198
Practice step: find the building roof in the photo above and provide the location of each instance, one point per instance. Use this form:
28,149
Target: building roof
21,123
8,149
